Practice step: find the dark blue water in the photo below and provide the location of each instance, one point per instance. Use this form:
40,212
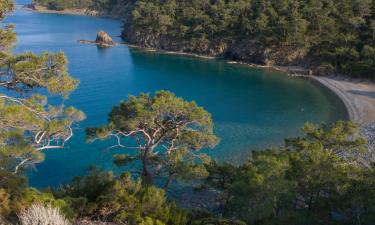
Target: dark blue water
251,108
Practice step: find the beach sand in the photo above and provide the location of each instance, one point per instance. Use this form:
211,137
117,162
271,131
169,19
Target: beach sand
357,95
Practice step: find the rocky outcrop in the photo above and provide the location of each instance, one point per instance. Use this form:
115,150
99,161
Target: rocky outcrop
367,158
104,40
249,51
241,50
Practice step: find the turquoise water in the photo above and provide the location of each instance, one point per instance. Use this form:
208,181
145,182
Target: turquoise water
251,108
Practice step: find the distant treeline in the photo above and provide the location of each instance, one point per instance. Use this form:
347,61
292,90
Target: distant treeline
329,35
325,35
64,4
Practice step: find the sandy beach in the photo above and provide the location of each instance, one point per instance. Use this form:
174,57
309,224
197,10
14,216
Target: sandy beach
357,95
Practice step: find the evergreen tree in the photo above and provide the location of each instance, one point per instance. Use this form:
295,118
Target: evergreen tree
28,124
166,131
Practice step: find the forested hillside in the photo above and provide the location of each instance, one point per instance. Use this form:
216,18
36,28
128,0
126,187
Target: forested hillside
324,176
110,8
324,35
328,35
64,4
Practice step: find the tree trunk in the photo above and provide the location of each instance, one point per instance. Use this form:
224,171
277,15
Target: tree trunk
146,176
275,207
169,181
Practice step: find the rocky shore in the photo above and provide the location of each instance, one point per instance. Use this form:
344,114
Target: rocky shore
42,9
79,12
368,132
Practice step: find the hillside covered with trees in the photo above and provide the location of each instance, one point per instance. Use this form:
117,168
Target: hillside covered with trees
317,178
327,35
324,35
64,4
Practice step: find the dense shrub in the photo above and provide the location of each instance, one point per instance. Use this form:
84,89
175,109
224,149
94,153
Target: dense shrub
103,196
313,179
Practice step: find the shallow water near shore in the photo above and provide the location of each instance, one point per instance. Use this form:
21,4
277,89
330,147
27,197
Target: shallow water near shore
251,108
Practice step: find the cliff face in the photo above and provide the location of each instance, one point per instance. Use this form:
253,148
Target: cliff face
237,49
243,50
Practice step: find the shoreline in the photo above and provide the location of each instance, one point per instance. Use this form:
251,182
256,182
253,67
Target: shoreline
42,9
351,110
360,107
358,96
75,12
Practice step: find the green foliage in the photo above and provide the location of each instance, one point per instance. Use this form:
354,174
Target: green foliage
28,124
340,138
59,5
99,196
318,32
14,199
314,179
7,38
104,6
167,133
329,36
45,71
122,200
123,159
262,181
6,6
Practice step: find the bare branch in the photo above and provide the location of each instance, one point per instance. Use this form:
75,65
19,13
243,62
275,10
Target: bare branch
19,101
23,162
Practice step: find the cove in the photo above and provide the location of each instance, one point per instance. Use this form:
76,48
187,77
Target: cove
251,108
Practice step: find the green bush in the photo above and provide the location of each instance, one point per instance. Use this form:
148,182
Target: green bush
123,200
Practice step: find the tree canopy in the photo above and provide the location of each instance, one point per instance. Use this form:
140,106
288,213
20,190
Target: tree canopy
64,4
28,124
166,131
327,36
308,181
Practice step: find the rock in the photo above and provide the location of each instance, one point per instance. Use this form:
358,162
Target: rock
104,40
249,51
367,158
